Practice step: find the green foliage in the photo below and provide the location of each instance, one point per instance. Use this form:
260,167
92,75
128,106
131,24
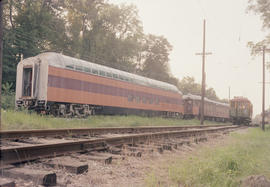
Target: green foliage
30,27
6,87
246,154
8,101
188,85
93,30
12,120
155,58
104,33
8,96
262,8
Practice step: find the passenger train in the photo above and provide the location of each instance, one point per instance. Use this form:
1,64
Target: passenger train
213,110
52,83
56,84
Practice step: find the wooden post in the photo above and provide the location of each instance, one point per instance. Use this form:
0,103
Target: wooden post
1,57
203,75
263,90
264,50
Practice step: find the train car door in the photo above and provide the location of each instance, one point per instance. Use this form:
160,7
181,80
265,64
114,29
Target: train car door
27,81
188,106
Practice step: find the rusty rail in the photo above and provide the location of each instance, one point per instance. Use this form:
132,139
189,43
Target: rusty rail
14,134
11,155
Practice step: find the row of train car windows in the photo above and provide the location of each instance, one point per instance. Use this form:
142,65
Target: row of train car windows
99,72
144,100
106,74
207,104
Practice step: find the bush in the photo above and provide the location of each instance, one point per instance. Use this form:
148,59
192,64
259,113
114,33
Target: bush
8,101
8,97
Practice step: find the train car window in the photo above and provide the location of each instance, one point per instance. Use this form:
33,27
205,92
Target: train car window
138,99
157,101
102,73
95,71
108,74
130,98
115,76
126,79
87,70
79,68
144,100
70,66
121,77
137,81
151,101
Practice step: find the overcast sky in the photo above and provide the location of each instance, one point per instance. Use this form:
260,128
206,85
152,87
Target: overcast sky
228,29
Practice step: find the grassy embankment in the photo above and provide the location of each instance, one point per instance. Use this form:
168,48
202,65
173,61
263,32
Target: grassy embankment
243,155
12,120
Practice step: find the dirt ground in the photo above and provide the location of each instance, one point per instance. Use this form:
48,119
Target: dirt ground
131,171
255,181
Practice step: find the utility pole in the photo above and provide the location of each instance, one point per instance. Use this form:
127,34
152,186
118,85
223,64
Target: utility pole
263,87
229,93
1,57
203,75
263,90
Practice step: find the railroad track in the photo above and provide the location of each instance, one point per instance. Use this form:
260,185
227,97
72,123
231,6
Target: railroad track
14,134
19,147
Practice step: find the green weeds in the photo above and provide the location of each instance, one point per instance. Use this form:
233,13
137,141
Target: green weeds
13,120
245,154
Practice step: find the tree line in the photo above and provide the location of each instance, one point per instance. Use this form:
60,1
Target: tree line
92,30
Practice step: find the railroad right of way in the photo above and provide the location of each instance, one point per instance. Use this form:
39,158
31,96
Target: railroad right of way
18,151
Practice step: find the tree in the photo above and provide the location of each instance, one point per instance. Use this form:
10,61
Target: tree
188,85
104,33
262,8
93,30
30,27
211,94
155,58
224,101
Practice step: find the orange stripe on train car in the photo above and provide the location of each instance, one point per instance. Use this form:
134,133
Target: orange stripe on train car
74,96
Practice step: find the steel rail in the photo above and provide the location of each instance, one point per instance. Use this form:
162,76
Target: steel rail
16,134
11,155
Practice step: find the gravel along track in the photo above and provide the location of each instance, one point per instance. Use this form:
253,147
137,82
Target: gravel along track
70,150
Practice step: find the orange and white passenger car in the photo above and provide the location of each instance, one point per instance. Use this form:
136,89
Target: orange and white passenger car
56,84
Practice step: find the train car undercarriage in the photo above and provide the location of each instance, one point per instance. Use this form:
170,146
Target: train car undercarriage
69,110
210,118
241,120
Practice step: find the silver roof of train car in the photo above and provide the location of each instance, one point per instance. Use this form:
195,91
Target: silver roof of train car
62,61
198,97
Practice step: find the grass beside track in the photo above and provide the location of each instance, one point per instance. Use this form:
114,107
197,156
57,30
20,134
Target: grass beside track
225,165
13,120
